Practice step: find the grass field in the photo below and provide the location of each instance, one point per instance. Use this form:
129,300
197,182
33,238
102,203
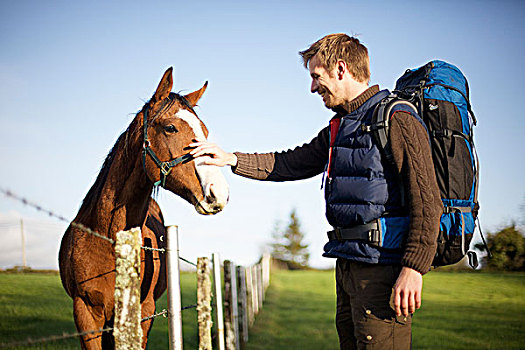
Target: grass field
460,311
35,305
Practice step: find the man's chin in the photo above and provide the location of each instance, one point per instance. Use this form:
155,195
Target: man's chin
328,104
339,109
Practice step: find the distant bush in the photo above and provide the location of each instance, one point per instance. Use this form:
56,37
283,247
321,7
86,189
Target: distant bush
280,264
508,250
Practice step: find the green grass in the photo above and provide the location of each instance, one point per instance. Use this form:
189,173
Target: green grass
471,311
36,306
460,311
298,313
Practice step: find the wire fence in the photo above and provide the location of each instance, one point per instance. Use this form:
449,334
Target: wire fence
63,336
244,290
39,208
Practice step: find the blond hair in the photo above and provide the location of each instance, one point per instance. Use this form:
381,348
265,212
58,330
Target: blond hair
334,47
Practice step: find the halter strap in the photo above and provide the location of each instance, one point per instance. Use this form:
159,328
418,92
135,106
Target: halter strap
165,167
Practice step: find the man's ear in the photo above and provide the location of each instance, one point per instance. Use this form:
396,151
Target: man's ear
341,69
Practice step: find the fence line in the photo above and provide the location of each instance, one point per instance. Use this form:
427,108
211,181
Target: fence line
244,289
133,289
244,293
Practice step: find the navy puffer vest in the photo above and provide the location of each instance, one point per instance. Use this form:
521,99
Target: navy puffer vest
361,187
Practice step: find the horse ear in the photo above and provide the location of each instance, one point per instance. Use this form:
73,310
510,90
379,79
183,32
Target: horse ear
195,96
165,85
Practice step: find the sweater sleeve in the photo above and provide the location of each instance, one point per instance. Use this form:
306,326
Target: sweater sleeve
302,162
413,159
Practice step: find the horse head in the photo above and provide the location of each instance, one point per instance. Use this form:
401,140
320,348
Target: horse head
169,125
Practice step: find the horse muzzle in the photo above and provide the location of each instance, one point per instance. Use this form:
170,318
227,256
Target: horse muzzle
216,198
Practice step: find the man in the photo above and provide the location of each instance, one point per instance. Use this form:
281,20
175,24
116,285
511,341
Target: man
379,281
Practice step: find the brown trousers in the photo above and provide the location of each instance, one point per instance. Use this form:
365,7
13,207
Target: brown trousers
365,316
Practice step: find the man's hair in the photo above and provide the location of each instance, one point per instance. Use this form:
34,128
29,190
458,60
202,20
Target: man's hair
334,47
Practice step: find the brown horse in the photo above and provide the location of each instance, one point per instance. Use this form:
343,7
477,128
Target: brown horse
120,199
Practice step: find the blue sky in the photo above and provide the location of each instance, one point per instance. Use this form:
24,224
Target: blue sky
72,75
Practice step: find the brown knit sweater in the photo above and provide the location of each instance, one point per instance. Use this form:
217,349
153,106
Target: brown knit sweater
413,159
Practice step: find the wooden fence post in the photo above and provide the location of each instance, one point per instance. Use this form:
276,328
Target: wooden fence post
230,306
218,300
266,264
260,284
255,290
235,306
204,303
127,331
249,296
243,312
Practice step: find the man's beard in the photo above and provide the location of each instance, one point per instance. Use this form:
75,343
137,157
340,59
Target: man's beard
325,94
329,101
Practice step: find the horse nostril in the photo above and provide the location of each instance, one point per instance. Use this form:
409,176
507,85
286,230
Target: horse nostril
211,197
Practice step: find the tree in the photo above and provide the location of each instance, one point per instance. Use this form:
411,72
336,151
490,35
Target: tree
288,244
508,249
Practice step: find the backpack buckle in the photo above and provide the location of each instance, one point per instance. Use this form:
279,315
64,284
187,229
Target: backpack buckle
375,236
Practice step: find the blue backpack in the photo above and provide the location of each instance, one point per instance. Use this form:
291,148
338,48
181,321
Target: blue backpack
439,93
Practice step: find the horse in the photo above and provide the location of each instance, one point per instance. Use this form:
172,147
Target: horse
121,199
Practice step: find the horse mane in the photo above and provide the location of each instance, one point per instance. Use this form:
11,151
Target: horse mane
94,192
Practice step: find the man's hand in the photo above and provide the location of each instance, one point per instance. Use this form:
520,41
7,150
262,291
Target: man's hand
407,291
212,154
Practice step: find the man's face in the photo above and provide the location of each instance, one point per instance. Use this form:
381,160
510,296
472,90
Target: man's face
325,83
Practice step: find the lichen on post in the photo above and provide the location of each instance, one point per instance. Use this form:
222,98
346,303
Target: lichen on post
204,303
127,330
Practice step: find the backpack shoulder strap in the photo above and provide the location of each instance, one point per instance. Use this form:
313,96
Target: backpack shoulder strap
383,113
380,128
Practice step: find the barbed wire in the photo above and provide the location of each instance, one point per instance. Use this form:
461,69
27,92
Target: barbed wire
162,250
52,338
50,213
187,261
162,313
30,341
82,227
13,195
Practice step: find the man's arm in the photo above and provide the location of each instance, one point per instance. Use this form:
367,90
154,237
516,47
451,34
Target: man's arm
300,163
413,158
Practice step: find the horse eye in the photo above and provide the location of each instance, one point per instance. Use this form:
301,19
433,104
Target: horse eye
170,128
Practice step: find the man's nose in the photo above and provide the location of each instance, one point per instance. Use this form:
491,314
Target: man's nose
314,87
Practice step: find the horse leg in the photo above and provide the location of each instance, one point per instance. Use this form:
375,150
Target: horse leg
88,318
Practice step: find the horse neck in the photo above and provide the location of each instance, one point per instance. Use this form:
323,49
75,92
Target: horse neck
123,193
